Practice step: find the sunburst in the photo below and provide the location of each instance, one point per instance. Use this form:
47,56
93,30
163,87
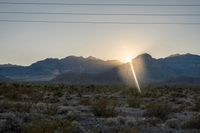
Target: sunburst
128,60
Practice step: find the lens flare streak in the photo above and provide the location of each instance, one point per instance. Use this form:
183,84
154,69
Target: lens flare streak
135,77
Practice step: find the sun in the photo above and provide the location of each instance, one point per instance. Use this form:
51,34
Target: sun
128,59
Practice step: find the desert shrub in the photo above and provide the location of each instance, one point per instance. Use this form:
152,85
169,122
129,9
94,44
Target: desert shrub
134,101
39,126
197,104
37,96
15,92
10,125
85,101
5,105
103,108
58,94
152,92
1,84
50,110
173,123
129,130
160,110
153,121
15,107
13,95
16,85
193,123
179,108
131,91
22,107
178,95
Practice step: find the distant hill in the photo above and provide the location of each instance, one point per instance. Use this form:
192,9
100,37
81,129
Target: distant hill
106,78
49,68
4,79
172,69
184,81
7,65
79,70
154,70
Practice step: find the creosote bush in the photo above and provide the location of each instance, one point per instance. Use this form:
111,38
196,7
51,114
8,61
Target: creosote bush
197,104
51,109
134,101
39,126
193,123
15,107
127,130
85,101
103,108
151,92
160,110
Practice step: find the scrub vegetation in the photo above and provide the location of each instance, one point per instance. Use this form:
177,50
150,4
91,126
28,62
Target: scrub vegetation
59,108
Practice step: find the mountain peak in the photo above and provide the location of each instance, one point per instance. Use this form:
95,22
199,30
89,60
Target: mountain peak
183,56
72,57
144,56
92,58
174,55
8,65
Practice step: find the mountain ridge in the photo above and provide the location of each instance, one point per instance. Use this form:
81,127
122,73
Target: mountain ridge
151,70
91,69
48,68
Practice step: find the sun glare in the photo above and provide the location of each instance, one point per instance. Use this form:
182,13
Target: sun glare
128,59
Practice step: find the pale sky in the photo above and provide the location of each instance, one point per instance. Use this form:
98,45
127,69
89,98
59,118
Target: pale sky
25,43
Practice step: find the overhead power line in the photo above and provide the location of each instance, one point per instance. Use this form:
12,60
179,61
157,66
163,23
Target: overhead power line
96,4
100,22
99,14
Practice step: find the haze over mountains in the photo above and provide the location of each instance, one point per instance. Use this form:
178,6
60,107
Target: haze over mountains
78,70
49,68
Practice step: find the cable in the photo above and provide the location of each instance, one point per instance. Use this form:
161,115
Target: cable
93,4
102,22
99,14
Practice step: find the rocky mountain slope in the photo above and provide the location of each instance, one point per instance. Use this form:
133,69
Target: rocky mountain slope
78,70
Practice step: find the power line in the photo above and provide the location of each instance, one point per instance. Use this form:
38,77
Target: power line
99,14
100,22
95,4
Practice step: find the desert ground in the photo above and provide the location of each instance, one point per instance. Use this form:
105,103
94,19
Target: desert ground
46,108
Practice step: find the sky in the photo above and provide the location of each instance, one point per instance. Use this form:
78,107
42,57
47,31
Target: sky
25,43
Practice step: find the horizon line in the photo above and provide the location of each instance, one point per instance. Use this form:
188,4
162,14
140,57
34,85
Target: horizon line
86,57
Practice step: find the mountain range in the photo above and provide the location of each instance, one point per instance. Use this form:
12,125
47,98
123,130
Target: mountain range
79,70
